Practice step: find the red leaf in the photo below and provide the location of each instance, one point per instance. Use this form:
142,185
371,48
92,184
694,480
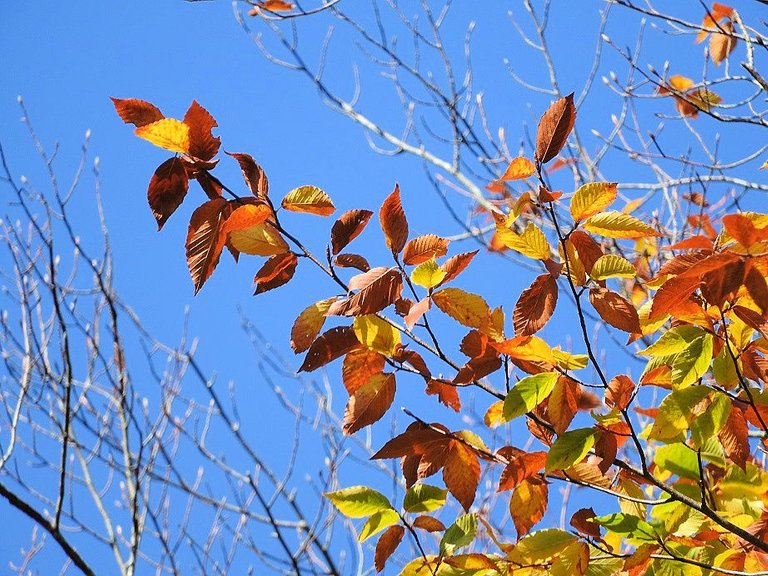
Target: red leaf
423,248
369,402
535,306
204,240
254,175
393,221
359,366
352,261
386,545
428,523
137,112
673,292
275,272
455,265
615,310
734,437
619,392
520,468
167,189
461,473
332,344
554,127
403,355
202,144
477,368
210,184
348,227
446,393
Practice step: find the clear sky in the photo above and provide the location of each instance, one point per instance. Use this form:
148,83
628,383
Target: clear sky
66,59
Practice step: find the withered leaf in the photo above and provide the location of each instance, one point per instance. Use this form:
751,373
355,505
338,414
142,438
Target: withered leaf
535,306
352,261
386,545
423,248
446,393
615,310
369,402
332,344
255,177
204,239
275,272
393,221
554,127
348,227
202,144
167,189
382,291
455,265
137,112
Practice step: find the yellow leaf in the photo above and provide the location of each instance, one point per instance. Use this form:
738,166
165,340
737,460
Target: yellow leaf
467,309
309,199
531,242
377,334
167,133
259,240
592,198
612,266
428,274
617,225
518,169
680,83
764,165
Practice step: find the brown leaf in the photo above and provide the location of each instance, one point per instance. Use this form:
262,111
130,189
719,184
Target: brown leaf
455,265
359,366
721,285
404,355
136,112
332,344
380,291
255,177
588,250
369,402
348,227
418,439
386,545
477,368
202,144
428,523
554,127
474,344
535,306
580,521
563,403
423,248
615,310
393,221
167,189
521,468
528,504
734,437
209,183
619,392
446,393
275,272
352,261
461,473
204,240
757,287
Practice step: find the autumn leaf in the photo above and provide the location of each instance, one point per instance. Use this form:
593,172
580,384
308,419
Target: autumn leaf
518,169
377,334
255,177
136,112
309,199
592,198
348,227
387,544
428,274
332,344
461,473
618,225
554,127
520,468
202,144
467,309
378,289
358,501
612,266
535,306
248,235
352,261
308,324
455,265
205,241
275,272
369,403
528,504
167,189
359,366
167,133
423,248
569,448
393,221
447,394
531,242
528,393
615,310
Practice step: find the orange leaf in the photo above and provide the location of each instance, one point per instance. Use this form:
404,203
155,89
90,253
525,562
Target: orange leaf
205,241
615,310
332,344
202,144
377,291
423,248
393,221
519,169
308,325
136,112
275,272
535,306
255,177
310,200
554,127
417,311
520,468
369,402
673,292
167,189
428,523
461,473
348,227
619,392
563,403
352,261
359,366
386,545
455,265
446,393
528,504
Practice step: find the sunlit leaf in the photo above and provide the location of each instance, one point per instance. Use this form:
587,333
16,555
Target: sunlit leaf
518,169
428,274
569,448
167,189
136,112
528,393
459,534
369,403
377,522
393,221
376,334
308,199
612,266
358,501
166,133
424,248
554,127
424,498
592,198
618,225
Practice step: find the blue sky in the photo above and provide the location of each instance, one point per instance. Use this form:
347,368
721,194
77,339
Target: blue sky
67,59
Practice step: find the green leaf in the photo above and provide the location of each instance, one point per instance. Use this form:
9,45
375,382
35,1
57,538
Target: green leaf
459,534
678,459
528,393
358,501
570,448
568,361
540,546
628,526
676,414
708,424
673,341
424,498
378,522
692,363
